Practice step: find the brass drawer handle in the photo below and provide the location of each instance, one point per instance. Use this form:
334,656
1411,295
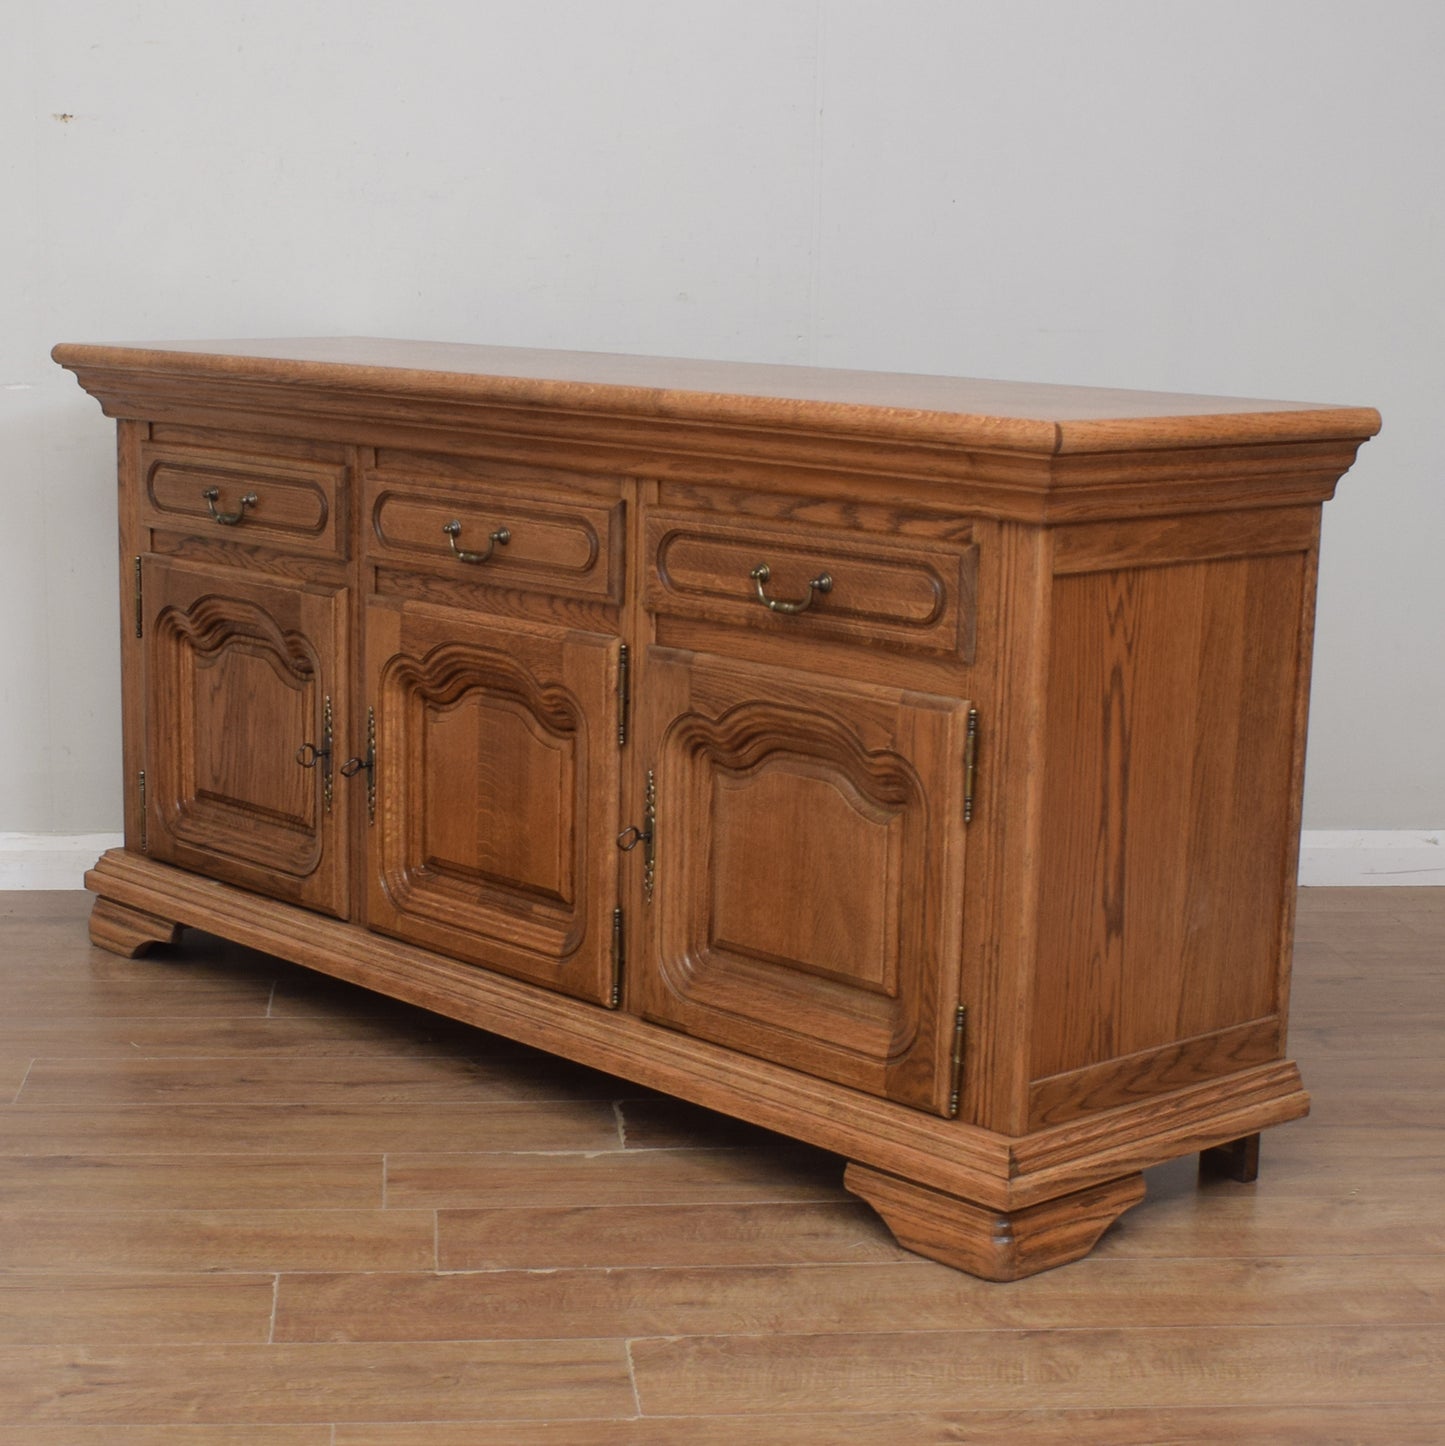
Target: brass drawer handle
821,584
453,530
227,519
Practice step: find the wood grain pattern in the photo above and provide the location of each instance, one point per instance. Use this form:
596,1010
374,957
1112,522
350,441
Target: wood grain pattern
808,895
995,1244
191,1182
304,1127
497,760
201,1240
114,1435
298,504
485,1380
1113,590
1038,458
239,672
1223,1425
952,1156
565,545
1174,906
857,1296
58,1309
546,1236
1094,1368
621,1178
1075,1093
916,598
358,1083
128,931
1301,1309
1006,414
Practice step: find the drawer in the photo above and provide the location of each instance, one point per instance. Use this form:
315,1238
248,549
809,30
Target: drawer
801,579
496,536
283,502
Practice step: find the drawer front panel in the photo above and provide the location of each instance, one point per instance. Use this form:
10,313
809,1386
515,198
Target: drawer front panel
496,537
822,584
286,503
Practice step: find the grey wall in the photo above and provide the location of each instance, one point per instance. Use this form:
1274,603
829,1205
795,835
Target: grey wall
1239,197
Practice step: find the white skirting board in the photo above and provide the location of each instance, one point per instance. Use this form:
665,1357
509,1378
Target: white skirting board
1338,858
50,860
1329,858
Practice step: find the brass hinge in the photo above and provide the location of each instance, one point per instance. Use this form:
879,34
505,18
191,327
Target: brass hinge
955,1094
970,764
370,766
145,846
326,738
624,693
619,958
649,852
139,603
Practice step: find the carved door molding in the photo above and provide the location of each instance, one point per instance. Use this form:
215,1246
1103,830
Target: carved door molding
240,674
496,792
809,871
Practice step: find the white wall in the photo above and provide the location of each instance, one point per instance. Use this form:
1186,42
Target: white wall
1241,197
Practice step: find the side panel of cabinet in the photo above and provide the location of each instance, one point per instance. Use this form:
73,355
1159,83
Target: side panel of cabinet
496,792
240,674
808,845
1174,736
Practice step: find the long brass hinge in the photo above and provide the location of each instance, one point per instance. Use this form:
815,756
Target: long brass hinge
145,846
955,1094
624,692
370,766
139,602
649,850
619,958
970,764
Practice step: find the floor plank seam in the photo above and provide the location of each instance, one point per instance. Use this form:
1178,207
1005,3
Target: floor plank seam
632,1377
24,1079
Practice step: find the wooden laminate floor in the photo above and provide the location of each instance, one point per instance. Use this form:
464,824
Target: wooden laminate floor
242,1205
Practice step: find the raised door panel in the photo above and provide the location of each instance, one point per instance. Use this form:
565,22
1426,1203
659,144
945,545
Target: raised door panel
496,793
807,871
240,676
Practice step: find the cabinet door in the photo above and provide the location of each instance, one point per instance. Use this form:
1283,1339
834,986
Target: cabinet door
240,675
496,792
807,871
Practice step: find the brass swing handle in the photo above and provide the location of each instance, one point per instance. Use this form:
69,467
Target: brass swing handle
453,530
227,519
823,583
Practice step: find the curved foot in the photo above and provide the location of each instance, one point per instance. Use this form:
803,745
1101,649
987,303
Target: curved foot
127,931
994,1244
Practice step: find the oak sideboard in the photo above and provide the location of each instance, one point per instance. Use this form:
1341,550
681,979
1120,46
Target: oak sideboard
907,764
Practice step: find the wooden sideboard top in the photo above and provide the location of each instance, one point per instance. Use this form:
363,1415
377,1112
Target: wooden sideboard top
954,412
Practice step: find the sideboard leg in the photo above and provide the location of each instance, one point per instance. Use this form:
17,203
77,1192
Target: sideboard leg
1235,1160
127,931
994,1244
